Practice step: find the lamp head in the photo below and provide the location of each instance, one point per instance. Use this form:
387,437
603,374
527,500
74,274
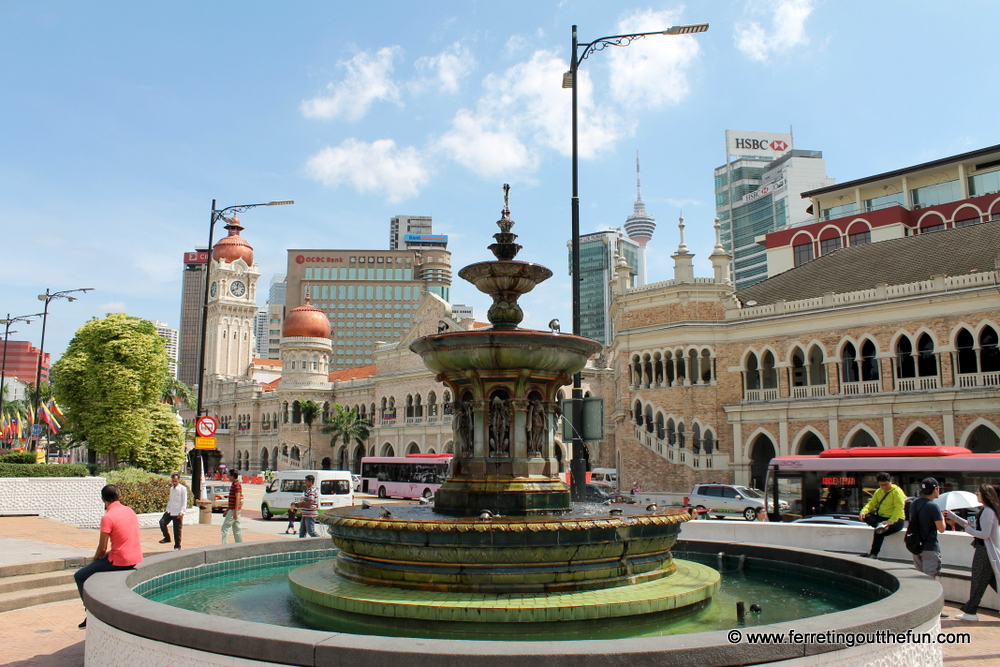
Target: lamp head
567,81
686,29
43,297
71,298
283,202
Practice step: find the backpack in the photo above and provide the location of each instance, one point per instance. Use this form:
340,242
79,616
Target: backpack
913,540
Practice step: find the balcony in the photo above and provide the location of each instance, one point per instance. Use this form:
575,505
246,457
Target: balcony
761,395
968,380
814,391
916,384
861,388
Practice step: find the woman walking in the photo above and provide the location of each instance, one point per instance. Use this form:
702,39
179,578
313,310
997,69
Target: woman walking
986,559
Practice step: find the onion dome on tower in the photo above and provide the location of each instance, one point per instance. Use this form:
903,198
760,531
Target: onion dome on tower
234,246
306,321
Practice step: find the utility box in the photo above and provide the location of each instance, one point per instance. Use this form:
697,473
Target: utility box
592,429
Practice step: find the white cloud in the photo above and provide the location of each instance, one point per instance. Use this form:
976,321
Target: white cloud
368,79
523,111
652,72
788,30
378,167
448,68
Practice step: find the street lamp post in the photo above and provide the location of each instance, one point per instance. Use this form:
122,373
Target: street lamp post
578,465
217,214
48,298
6,335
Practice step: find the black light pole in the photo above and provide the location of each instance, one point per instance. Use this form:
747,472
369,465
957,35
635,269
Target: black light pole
578,466
217,214
48,298
6,335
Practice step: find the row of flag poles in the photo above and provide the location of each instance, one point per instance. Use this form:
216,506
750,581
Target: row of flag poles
14,429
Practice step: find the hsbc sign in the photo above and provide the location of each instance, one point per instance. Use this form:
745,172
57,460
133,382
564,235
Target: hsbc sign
757,144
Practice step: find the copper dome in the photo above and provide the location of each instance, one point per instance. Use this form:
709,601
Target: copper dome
234,246
306,321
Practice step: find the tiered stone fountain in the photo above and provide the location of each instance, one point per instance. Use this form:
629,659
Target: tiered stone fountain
502,543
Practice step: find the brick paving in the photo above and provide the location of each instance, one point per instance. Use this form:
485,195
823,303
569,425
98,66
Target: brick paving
47,636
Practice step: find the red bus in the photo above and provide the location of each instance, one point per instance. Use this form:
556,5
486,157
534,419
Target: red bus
841,481
413,476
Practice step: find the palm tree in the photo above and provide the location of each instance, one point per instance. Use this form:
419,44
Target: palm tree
176,393
309,410
347,426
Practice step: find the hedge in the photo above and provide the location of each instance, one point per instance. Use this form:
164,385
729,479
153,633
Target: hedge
19,457
143,491
42,470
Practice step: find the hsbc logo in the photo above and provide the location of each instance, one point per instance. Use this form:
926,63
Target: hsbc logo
761,145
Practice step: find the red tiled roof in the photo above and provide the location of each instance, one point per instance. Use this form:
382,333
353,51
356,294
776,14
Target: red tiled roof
267,362
271,386
481,325
353,373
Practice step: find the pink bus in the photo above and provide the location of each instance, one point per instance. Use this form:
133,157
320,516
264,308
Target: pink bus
413,476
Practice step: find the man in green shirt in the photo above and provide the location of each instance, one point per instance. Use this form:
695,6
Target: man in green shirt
888,508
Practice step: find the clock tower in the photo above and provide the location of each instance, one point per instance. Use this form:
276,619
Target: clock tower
232,304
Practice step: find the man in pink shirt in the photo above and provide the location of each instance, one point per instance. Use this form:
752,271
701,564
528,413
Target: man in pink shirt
120,527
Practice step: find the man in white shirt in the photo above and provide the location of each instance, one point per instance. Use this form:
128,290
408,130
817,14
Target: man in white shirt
175,511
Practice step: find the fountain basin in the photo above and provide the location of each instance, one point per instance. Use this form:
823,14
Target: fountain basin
588,550
505,276
124,626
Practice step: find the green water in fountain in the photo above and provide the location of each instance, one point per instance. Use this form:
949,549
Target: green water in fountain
261,594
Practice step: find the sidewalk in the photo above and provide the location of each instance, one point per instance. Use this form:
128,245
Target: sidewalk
47,636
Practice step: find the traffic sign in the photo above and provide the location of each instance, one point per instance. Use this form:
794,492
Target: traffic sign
206,427
204,443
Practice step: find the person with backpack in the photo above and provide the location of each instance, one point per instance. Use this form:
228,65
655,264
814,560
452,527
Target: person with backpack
925,524
884,512
986,559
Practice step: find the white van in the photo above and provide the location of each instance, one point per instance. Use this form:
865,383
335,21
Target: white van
335,487
606,476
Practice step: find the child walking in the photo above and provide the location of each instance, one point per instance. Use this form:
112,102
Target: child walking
291,521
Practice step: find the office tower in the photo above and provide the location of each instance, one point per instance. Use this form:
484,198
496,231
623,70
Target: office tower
640,226
276,297
260,333
459,311
192,299
598,257
22,361
759,190
413,232
170,336
369,295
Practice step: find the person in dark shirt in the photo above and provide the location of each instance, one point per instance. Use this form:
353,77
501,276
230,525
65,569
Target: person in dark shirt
929,522
232,520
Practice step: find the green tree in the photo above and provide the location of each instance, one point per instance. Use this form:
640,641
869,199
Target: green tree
108,383
165,450
175,394
347,426
309,410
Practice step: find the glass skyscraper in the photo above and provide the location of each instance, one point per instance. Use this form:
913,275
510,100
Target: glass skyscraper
598,252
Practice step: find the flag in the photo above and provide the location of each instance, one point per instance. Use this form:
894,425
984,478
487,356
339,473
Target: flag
54,409
46,416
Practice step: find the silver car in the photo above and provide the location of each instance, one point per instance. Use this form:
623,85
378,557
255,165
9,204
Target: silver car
722,500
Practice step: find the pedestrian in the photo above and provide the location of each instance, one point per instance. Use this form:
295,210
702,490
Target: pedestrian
119,547
232,520
986,558
636,489
175,511
884,512
929,522
309,506
762,514
290,529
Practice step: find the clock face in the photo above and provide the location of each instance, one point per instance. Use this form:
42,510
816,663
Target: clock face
213,290
237,288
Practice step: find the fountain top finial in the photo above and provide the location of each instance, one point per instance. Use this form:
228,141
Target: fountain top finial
505,249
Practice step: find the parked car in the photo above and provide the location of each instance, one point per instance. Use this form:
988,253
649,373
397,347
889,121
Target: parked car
219,495
356,481
722,500
597,493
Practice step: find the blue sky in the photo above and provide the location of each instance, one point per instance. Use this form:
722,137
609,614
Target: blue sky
122,121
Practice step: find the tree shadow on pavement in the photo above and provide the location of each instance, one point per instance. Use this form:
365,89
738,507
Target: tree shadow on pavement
71,656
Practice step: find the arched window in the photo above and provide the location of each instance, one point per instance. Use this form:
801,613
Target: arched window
637,413
696,439
800,377
296,413
432,408
862,439
284,412
919,438
817,371
706,367
810,445
869,364
905,365
768,374
414,448
409,406
966,344
926,359
989,355
849,363
649,419
671,432
657,369
647,370
295,454
668,363
418,408
752,372
680,435
660,430
708,442
983,440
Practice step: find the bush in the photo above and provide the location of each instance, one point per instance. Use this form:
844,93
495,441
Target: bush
42,470
144,492
19,457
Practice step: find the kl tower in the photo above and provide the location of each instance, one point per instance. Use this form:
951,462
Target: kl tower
640,226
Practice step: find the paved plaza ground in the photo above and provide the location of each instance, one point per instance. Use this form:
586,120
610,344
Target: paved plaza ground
47,636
